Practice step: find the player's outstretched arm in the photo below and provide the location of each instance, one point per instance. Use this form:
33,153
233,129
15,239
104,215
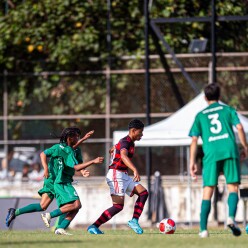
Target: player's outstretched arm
82,166
43,159
192,159
86,136
126,160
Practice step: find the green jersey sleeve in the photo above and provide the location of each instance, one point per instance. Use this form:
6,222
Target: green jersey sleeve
78,155
52,151
62,151
235,118
69,157
196,128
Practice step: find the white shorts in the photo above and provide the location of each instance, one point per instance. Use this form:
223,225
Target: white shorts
120,183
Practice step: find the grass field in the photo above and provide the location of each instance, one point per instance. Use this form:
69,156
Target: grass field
121,239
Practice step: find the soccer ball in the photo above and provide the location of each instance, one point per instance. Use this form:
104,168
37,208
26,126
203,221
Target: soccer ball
167,226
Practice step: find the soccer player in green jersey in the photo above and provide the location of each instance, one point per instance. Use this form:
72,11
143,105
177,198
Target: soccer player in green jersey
214,125
47,192
64,167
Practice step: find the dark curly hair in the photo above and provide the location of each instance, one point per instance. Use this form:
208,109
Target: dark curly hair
136,124
69,132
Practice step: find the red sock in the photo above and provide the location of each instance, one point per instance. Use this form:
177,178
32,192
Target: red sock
140,203
108,214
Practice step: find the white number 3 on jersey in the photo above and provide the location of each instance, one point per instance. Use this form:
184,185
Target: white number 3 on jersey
215,122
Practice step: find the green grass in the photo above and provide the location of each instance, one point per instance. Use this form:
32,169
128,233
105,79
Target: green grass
121,239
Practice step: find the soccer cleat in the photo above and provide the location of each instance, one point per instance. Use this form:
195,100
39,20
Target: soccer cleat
232,226
204,234
46,217
94,230
61,231
246,229
10,216
133,224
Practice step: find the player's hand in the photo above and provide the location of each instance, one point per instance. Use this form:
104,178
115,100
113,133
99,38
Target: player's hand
46,174
98,160
136,176
193,170
87,135
85,173
242,155
245,152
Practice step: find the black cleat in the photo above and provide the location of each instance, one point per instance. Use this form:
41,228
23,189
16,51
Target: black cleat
11,216
233,227
235,230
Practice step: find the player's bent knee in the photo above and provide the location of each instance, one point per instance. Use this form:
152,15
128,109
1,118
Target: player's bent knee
144,193
77,205
43,207
118,207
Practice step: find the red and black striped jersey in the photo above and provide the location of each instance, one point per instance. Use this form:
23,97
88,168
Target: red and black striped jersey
116,162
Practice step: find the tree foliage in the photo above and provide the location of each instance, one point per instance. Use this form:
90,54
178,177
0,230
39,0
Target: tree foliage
41,35
64,35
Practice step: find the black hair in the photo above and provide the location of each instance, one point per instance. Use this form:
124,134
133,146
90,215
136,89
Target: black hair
137,124
212,92
69,132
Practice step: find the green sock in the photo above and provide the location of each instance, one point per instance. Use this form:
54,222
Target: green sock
60,220
64,224
56,213
205,210
35,207
232,204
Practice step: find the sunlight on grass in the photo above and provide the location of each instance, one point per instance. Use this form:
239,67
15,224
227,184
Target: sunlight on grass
120,238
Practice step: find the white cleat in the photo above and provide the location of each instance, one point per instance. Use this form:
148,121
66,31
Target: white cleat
46,217
204,234
61,231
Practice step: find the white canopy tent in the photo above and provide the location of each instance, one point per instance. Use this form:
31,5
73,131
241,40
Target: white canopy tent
174,130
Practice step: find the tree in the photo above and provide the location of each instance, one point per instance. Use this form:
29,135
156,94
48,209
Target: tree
65,35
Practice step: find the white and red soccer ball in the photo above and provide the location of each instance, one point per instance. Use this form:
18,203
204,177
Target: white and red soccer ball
167,226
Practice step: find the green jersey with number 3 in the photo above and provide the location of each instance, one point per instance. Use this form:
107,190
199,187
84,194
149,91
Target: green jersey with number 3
214,125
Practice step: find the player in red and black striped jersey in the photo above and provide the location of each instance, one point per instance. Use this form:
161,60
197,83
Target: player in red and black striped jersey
127,144
120,183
